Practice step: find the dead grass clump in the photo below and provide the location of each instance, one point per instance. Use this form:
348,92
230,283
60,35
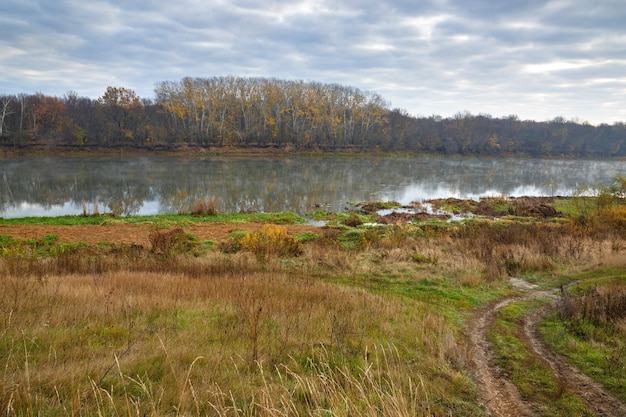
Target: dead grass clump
515,248
65,260
603,223
353,220
324,255
600,306
166,242
205,207
533,207
519,260
399,235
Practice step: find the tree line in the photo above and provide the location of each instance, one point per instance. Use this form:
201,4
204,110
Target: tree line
267,112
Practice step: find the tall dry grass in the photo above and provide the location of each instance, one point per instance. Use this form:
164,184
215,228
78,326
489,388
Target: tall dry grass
126,343
262,329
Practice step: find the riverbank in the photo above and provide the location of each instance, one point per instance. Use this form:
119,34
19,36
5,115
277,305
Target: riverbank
184,149
182,315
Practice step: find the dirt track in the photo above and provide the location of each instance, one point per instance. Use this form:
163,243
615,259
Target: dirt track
595,397
500,396
130,233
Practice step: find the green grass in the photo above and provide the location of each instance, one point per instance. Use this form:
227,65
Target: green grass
597,350
598,354
597,278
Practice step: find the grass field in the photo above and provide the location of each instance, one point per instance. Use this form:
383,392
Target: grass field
341,320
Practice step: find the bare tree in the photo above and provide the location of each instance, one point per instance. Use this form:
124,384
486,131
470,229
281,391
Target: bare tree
5,110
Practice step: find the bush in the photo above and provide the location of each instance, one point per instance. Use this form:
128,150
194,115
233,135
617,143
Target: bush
599,306
353,220
205,207
170,241
270,240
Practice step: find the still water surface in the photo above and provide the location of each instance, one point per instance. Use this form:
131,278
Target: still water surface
51,186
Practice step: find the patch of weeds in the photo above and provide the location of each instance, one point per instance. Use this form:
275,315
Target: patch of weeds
353,239
233,243
170,242
353,220
208,244
423,259
453,205
321,215
308,237
375,206
588,328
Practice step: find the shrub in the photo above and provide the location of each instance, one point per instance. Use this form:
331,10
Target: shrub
353,220
270,240
169,241
599,306
205,207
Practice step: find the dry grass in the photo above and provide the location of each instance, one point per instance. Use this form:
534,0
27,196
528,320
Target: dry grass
362,321
205,207
157,344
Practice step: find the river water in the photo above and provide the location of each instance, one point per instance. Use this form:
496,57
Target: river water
51,186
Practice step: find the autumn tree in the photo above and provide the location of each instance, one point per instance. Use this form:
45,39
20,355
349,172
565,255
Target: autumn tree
123,110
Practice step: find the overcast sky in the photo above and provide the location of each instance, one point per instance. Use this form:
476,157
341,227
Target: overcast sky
537,59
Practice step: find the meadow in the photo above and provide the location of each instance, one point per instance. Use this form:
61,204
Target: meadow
352,318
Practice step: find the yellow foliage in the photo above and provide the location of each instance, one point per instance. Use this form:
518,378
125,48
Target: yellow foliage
270,240
614,217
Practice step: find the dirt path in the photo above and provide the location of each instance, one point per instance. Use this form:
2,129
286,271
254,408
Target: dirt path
595,397
499,395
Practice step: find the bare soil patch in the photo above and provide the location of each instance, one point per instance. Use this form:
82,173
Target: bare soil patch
497,393
393,218
137,234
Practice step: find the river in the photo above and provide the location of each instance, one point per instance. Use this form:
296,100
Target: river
52,186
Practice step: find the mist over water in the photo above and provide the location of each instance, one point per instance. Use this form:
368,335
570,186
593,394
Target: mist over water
52,186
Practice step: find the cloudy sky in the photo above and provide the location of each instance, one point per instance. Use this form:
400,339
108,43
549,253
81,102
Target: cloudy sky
537,59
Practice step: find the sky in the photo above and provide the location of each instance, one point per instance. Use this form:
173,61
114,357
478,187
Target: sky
537,59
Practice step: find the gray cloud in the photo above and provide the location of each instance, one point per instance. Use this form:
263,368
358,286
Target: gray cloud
537,59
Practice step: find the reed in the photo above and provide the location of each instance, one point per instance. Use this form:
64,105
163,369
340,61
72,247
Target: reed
205,207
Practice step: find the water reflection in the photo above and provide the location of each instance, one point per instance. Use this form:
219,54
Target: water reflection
151,185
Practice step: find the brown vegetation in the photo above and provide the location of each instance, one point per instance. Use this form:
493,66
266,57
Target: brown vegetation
213,319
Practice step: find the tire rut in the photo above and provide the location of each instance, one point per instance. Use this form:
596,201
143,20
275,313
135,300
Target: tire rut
595,396
498,394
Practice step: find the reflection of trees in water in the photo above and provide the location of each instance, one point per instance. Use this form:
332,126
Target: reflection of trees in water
298,184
